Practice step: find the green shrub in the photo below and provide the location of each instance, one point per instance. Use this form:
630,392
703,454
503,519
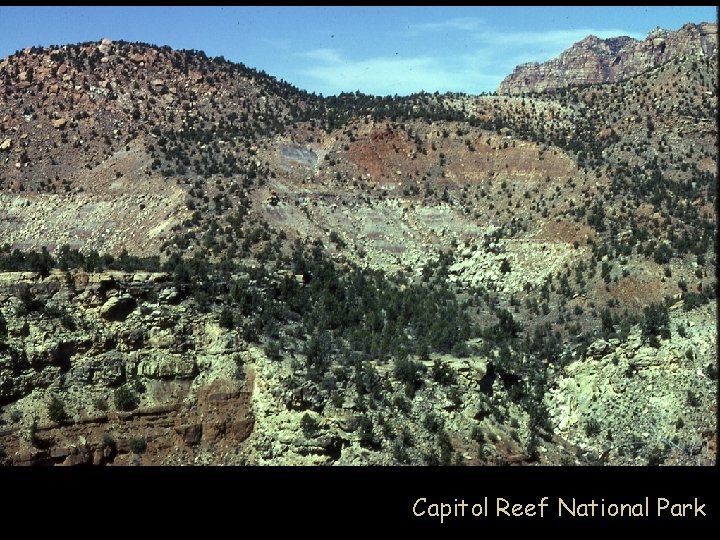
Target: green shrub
126,399
460,349
711,370
409,372
608,325
442,373
337,240
309,425
592,428
108,441
692,300
100,404
477,435
138,446
226,318
656,322
399,452
663,254
364,428
272,351
432,423
657,456
402,404
56,410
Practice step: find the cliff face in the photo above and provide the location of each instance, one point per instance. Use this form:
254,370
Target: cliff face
595,60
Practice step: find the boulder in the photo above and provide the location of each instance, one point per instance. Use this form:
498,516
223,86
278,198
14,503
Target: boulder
60,452
599,348
169,296
241,429
213,431
82,458
98,457
107,369
190,434
164,366
161,339
132,339
105,46
118,308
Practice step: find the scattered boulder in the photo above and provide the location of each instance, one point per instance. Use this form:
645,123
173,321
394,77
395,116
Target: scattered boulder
105,46
169,296
118,308
600,348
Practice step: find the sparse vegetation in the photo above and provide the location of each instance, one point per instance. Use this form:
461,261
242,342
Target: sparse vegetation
343,237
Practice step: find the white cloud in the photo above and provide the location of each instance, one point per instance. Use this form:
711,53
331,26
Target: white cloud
557,38
542,46
385,75
330,56
489,56
280,44
465,24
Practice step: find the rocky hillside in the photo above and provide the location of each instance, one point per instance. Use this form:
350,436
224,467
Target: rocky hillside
202,264
118,368
594,60
84,130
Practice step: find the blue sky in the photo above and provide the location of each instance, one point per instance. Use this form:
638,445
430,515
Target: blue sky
374,49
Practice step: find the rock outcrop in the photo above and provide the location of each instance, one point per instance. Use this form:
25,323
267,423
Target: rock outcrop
594,60
190,392
630,403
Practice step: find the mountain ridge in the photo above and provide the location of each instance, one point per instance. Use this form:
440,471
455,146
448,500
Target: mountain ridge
593,60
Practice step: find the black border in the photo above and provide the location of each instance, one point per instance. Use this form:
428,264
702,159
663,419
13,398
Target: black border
342,500
333,501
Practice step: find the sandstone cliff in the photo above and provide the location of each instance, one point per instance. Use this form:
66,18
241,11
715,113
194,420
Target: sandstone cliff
595,60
